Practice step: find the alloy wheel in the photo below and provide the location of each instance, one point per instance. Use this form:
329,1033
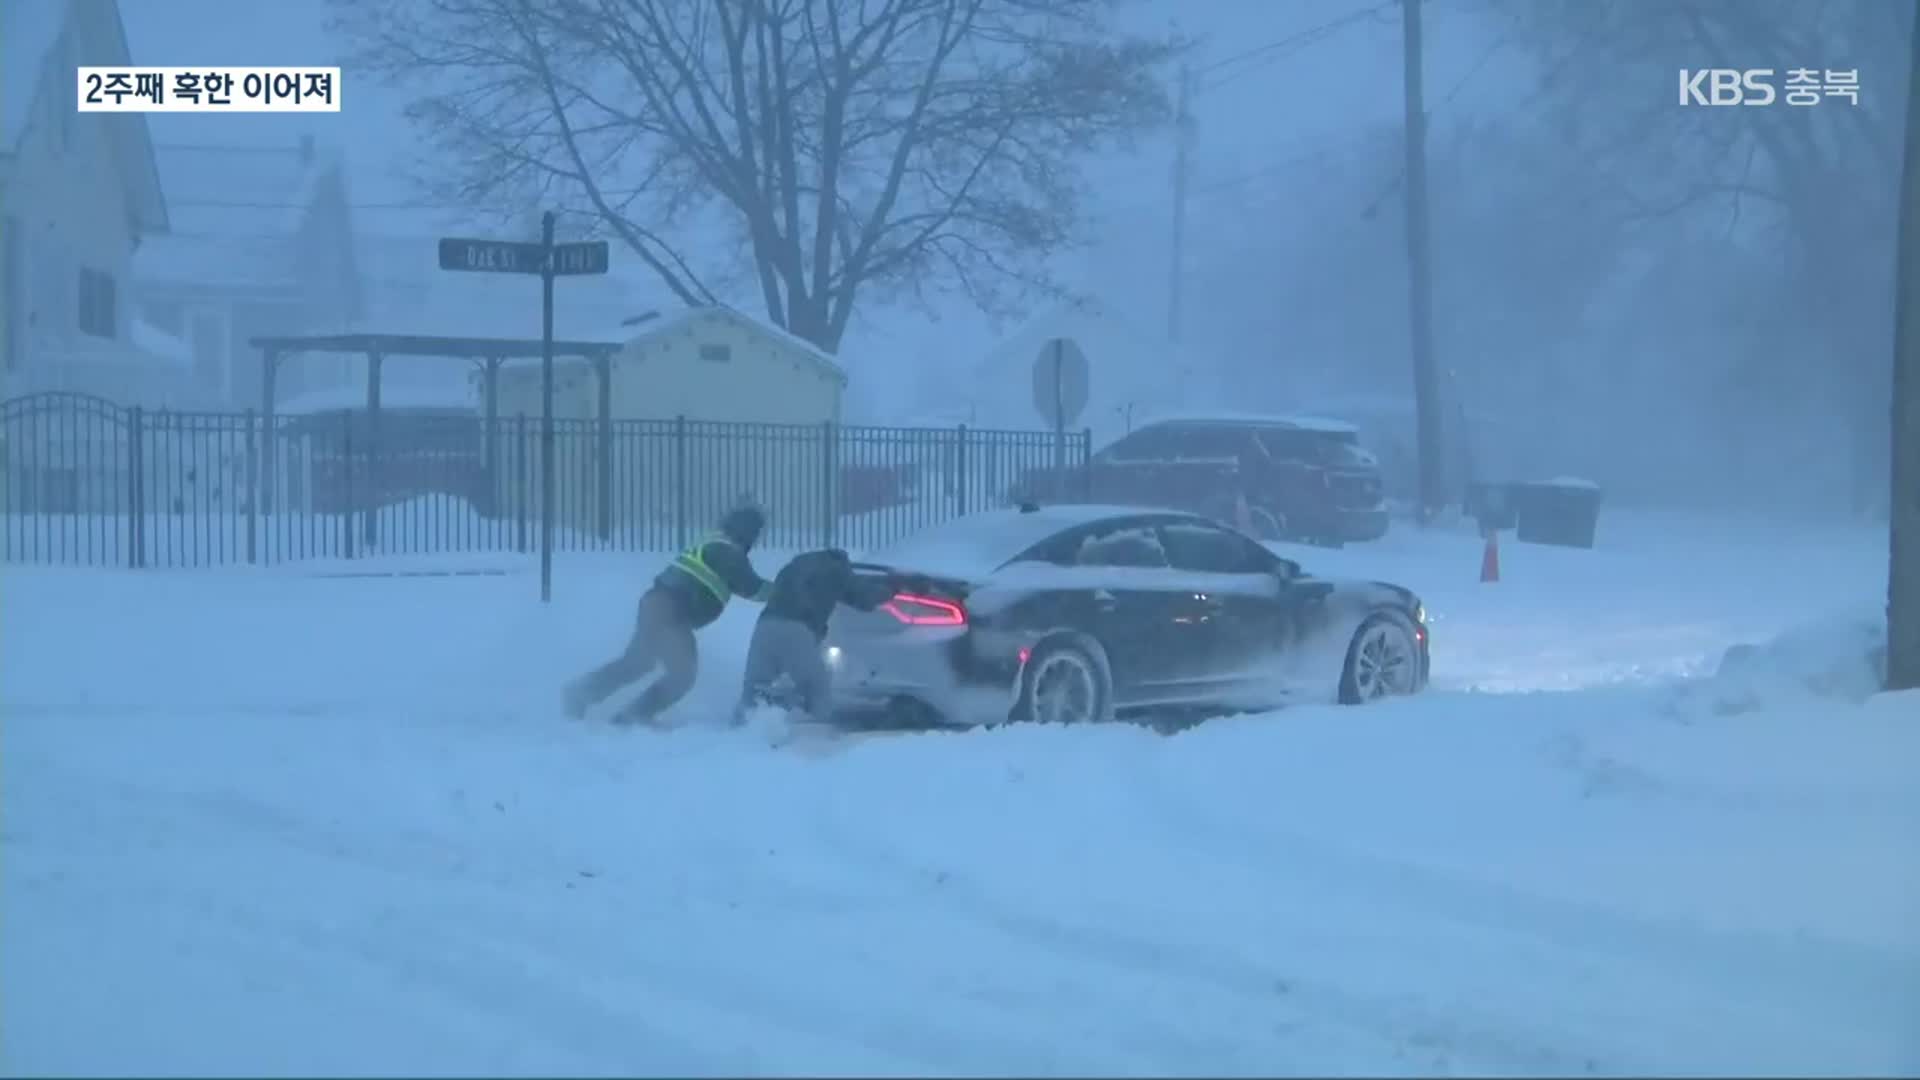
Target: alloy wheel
1383,663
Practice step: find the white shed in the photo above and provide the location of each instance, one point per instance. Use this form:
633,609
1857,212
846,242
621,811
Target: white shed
760,408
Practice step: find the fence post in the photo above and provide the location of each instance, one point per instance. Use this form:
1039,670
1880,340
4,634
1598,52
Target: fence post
346,484
960,471
1086,463
253,491
136,488
829,482
522,468
604,492
680,512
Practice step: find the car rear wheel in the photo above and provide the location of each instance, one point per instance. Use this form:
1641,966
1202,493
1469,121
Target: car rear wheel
1383,661
1063,683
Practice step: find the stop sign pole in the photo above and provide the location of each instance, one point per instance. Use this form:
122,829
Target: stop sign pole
549,260
1059,395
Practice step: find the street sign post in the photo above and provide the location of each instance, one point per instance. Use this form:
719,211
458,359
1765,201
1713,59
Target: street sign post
549,260
1060,387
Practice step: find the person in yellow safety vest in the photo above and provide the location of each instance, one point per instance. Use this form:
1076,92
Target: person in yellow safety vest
686,596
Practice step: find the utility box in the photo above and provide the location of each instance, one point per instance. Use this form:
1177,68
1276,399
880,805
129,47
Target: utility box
1563,512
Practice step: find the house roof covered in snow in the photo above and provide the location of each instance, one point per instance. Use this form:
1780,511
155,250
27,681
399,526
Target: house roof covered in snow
245,191
32,64
468,348
685,319
29,30
157,342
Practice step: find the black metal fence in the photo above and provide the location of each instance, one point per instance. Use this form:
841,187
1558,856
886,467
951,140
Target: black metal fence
85,481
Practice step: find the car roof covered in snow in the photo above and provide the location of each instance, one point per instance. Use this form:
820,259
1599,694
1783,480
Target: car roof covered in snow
1277,420
971,548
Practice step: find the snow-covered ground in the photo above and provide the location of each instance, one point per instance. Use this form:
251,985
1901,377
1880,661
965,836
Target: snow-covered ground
277,822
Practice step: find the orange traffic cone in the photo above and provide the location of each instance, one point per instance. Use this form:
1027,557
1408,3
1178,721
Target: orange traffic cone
1490,558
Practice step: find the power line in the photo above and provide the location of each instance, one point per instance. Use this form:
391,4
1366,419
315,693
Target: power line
1270,52
1399,177
1321,155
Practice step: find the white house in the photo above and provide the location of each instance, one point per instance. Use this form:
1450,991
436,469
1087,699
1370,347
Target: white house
81,194
260,245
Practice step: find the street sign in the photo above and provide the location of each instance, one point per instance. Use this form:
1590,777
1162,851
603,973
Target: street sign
548,260
522,257
581,257
1060,383
491,256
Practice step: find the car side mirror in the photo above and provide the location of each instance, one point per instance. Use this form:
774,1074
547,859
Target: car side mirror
1286,570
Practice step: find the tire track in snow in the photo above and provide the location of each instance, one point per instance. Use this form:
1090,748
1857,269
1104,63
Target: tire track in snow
901,1030
515,968
1172,1048
1395,1020
458,970
1792,979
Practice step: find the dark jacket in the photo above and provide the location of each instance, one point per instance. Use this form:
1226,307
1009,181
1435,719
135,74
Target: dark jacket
807,589
704,577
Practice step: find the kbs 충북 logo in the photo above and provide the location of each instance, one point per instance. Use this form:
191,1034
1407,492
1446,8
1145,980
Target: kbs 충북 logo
209,89
1757,86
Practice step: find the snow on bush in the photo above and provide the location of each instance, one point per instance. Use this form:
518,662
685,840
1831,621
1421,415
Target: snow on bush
1840,660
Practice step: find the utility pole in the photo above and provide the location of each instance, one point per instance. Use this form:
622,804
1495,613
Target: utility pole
1426,388
1183,139
1903,519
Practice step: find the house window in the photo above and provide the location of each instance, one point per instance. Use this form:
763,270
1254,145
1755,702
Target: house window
716,354
97,315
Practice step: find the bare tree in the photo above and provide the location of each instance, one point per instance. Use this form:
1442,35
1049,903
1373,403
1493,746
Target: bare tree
842,147
1812,187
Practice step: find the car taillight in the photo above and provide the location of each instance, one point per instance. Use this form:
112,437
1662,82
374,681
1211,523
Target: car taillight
917,610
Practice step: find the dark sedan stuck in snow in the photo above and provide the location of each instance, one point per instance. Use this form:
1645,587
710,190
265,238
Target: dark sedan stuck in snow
1075,613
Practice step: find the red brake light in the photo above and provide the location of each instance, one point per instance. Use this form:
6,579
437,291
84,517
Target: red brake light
925,610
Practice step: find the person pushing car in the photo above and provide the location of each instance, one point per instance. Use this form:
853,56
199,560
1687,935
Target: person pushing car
792,627
685,597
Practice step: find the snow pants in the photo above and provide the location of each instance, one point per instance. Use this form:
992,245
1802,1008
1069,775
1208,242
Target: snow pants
661,639
786,647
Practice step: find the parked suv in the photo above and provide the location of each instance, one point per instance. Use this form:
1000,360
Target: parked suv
1302,478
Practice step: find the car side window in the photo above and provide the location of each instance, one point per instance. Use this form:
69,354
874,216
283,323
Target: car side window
1205,549
1210,443
1147,444
1135,546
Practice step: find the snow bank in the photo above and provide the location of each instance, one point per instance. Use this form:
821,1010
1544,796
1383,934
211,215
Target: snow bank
1831,661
